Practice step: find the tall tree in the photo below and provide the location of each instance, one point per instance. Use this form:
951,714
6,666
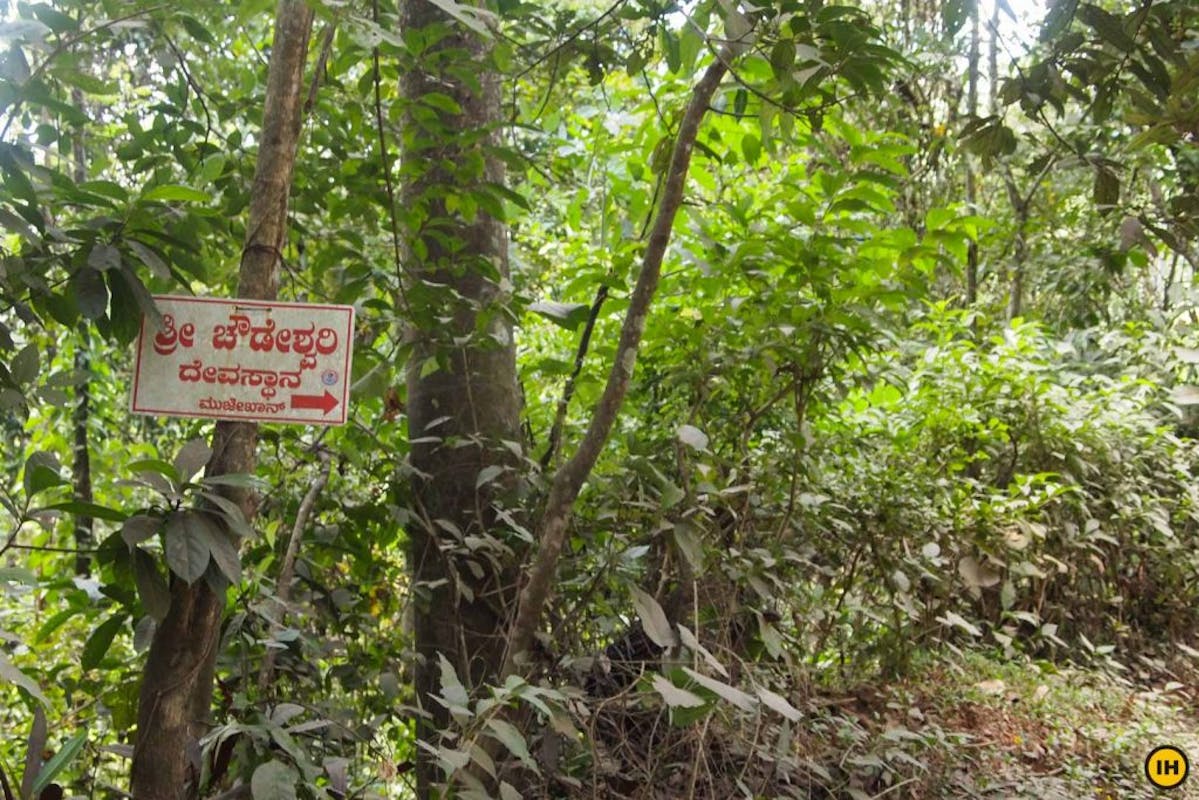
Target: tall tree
463,396
176,692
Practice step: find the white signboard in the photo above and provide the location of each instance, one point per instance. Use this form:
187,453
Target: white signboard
245,360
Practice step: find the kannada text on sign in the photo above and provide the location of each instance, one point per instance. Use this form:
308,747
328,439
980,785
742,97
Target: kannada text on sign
247,360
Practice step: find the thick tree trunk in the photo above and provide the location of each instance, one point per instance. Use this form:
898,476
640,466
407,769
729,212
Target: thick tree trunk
463,397
176,692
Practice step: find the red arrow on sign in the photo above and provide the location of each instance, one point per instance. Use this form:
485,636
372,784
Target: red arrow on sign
327,403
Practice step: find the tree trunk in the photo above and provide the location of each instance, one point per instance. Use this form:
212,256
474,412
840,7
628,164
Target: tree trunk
569,479
463,397
971,189
81,470
176,692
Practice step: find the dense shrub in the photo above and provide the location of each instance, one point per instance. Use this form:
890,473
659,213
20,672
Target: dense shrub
1019,491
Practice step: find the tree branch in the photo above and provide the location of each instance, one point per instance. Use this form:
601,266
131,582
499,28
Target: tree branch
287,570
569,479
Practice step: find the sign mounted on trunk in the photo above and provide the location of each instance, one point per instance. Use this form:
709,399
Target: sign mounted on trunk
245,360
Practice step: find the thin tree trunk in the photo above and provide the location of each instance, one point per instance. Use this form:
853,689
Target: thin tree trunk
1015,306
81,413
176,692
463,395
82,470
993,58
971,189
568,480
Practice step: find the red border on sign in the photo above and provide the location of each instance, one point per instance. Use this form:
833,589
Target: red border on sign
237,301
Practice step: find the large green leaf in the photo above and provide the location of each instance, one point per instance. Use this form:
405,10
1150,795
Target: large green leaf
10,673
175,192
274,780
187,544
566,315
151,586
59,761
97,645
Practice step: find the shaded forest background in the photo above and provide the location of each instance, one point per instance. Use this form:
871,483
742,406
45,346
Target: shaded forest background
750,400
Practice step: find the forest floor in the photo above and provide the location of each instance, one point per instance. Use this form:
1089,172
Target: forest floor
977,728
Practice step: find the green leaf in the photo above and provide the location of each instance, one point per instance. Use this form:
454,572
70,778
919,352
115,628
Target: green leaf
732,694
25,365
35,748
452,690
232,514
212,167
488,474
653,618
130,301
478,20
1108,26
90,292
10,673
151,586
689,545
175,192
65,755
674,696
155,465
223,549
508,735
150,258
779,704
782,57
104,257
197,30
23,30
55,20
954,14
41,473
98,643
751,148
566,315
139,528
187,548
191,458
740,102
274,780
1061,12
82,509
18,575
693,437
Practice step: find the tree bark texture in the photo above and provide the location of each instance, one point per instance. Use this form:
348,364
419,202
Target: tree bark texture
176,691
463,397
85,537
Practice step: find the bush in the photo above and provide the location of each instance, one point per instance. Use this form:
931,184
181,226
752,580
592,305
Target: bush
1021,492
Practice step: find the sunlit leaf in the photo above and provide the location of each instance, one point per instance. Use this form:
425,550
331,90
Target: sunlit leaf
653,618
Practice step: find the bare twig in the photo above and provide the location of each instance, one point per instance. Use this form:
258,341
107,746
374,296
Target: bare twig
555,439
322,59
287,570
